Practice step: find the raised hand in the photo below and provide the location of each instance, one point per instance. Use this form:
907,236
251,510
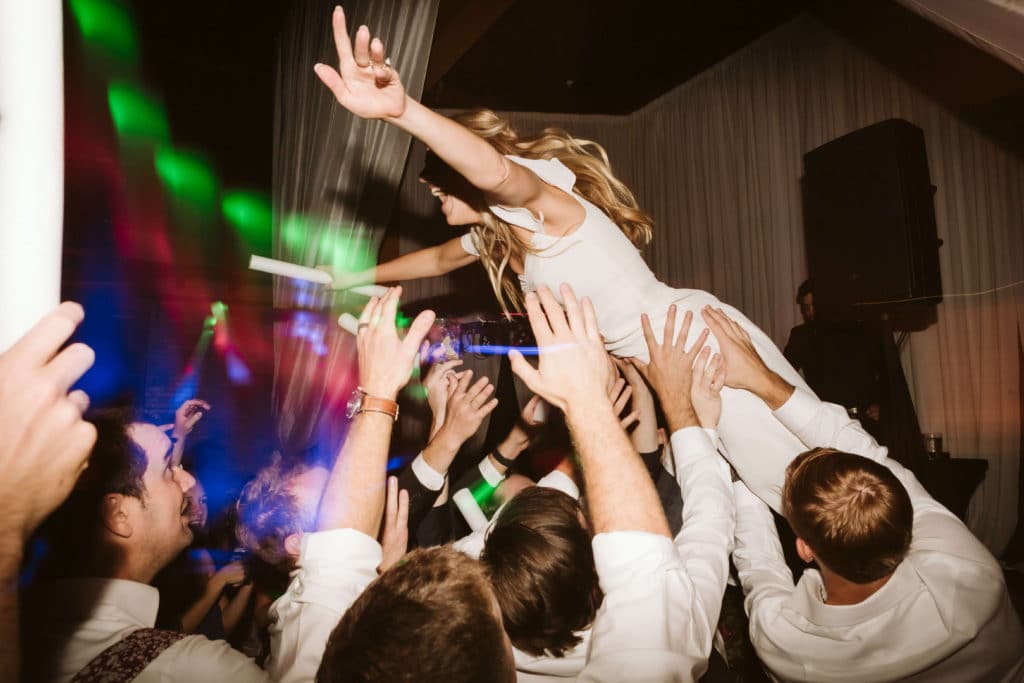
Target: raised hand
45,442
620,395
522,431
385,360
439,388
573,368
188,414
365,83
229,575
744,368
706,391
394,539
467,407
670,370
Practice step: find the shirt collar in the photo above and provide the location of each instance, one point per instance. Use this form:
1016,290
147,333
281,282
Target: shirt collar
136,603
807,599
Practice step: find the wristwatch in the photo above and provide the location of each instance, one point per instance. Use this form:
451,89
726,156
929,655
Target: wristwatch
361,402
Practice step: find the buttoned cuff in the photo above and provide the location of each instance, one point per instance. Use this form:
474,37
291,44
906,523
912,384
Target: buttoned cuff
624,557
560,481
691,443
490,473
427,475
797,410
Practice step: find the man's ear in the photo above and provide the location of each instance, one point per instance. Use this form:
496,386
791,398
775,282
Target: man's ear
116,519
293,544
804,550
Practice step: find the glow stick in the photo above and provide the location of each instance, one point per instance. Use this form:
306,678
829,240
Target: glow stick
297,272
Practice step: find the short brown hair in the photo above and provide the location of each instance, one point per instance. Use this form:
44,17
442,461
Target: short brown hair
541,565
429,618
852,511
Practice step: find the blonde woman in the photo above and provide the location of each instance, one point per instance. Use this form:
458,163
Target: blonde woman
543,211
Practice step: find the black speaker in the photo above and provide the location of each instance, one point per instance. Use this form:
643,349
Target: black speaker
869,222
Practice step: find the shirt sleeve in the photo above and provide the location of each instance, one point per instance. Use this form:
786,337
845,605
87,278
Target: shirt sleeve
427,475
643,630
560,481
706,537
334,568
469,245
765,577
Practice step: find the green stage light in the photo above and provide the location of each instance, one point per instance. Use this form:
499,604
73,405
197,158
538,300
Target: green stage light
188,177
106,27
136,115
250,214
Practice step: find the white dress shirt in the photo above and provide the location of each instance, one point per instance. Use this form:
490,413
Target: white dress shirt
74,620
944,615
334,568
694,581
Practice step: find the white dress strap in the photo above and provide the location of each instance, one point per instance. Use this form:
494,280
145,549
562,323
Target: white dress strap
551,171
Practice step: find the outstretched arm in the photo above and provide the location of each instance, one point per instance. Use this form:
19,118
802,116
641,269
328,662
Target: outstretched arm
367,85
429,262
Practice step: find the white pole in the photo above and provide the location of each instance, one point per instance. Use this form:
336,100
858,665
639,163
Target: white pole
31,162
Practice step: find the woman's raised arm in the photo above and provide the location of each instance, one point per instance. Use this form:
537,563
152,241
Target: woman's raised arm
366,84
429,262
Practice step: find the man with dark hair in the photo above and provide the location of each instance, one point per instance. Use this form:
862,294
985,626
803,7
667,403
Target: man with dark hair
903,590
126,519
541,565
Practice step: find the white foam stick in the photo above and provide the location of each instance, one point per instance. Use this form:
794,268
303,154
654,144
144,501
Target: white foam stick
297,272
348,322
369,290
292,270
470,509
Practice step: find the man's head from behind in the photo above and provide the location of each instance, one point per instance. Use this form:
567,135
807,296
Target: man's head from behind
805,300
432,617
849,512
128,513
277,507
541,565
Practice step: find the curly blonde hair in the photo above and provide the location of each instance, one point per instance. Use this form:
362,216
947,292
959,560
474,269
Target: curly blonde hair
495,239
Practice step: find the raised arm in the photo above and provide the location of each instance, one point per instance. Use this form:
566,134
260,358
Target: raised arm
573,376
354,495
367,85
341,558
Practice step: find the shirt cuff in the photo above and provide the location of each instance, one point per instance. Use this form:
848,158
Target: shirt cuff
797,409
560,481
426,474
622,557
691,443
338,544
490,473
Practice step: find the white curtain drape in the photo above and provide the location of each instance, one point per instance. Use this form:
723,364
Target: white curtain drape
996,26
717,162
336,179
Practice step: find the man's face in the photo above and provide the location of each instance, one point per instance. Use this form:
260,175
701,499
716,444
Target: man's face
807,306
162,518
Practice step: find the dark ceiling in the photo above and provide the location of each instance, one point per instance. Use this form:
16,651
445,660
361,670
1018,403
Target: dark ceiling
584,56
215,63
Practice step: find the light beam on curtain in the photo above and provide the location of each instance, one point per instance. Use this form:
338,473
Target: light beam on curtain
336,178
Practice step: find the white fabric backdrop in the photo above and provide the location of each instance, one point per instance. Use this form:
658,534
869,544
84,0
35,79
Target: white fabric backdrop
717,162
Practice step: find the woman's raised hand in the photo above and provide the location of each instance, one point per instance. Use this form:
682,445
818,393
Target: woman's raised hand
365,83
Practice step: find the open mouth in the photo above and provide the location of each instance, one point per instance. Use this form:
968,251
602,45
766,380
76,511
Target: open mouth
186,507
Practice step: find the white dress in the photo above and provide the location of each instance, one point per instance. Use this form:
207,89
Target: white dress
600,262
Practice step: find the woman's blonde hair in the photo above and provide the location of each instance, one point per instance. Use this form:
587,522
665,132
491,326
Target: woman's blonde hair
495,239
